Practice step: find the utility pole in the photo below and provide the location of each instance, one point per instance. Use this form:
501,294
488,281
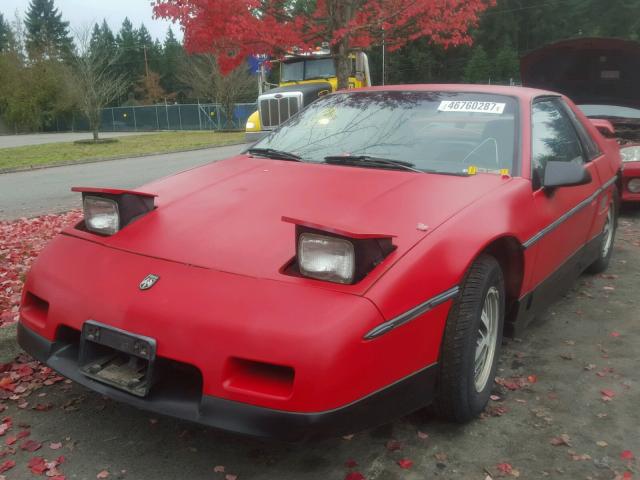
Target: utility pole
146,63
383,59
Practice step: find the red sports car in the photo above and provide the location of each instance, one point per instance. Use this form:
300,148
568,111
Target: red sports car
358,263
602,76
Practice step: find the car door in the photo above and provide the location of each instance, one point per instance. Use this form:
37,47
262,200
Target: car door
564,215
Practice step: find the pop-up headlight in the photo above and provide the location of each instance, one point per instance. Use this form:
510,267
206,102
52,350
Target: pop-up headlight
107,211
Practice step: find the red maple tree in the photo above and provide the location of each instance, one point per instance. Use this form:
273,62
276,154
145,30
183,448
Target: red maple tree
234,29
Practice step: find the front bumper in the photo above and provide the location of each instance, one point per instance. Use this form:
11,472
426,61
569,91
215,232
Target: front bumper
403,397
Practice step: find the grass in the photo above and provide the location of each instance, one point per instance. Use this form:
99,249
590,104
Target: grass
63,153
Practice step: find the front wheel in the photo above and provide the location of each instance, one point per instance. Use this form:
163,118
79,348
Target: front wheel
608,235
471,343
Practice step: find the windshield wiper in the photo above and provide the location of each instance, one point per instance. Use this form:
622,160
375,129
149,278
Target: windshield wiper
370,161
275,154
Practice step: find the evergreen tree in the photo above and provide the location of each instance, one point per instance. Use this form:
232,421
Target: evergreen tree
7,38
130,61
478,69
173,53
507,65
47,35
102,44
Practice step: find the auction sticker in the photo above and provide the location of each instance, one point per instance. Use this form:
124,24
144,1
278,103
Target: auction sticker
472,106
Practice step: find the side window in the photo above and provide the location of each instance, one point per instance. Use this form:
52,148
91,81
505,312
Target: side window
590,146
553,138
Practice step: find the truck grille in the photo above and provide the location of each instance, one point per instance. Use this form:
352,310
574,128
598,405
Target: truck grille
276,108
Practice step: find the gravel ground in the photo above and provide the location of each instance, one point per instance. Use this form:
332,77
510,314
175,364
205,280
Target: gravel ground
572,380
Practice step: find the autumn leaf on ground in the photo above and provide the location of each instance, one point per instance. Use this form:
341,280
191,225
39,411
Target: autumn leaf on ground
218,469
615,334
422,435
507,469
230,476
607,394
354,476
393,445
7,465
30,445
405,463
627,455
37,465
102,475
563,439
441,457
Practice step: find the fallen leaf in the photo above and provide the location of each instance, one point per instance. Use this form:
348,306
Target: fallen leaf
615,334
532,378
218,469
102,475
30,445
505,468
422,435
37,465
627,455
55,446
347,437
7,465
441,457
393,445
563,439
405,463
602,443
607,395
354,476
229,476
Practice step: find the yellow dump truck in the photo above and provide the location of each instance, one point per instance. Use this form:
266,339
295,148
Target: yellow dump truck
303,78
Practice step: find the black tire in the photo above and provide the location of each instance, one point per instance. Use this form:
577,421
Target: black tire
604,258
457,397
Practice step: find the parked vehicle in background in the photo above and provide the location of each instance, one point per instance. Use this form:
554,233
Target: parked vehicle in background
602,75
360,262
304,77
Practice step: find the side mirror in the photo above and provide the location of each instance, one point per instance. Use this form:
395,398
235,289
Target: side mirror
565,174
605,127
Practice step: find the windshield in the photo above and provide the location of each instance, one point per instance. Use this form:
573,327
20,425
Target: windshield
610,111
434,131
308,69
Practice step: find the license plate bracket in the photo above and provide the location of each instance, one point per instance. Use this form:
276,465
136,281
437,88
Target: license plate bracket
117,358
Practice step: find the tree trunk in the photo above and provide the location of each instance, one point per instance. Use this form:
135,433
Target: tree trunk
343,64
95,134
341,13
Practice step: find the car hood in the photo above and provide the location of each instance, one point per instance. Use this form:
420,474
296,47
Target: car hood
228,215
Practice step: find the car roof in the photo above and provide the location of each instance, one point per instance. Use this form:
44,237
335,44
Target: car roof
522,93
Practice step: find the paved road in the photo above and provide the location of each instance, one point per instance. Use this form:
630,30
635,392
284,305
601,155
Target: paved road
27,194
7,141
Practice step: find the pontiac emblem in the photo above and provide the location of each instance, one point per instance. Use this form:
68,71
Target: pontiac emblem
149,281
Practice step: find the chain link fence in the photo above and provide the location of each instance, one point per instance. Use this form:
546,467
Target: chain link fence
200,116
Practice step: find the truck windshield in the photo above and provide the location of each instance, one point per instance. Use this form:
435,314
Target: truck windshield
308,69
443,132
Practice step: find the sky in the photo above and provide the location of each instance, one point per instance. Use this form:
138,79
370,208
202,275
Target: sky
81,13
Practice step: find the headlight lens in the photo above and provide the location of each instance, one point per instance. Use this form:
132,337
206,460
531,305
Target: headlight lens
630,154
634,185
250,125
101,215
326,258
